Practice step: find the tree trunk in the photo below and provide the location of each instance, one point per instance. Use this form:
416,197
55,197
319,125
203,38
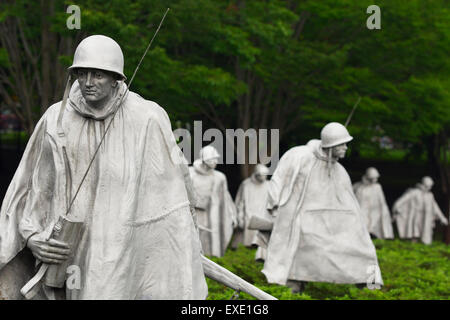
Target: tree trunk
437,147
46,40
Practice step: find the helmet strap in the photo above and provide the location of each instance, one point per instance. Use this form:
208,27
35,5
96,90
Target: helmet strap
329,162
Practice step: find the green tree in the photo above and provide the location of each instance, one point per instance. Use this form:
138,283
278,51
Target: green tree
287,65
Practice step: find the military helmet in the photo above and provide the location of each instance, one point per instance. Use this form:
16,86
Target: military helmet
209,152
334,134
372,173
99,52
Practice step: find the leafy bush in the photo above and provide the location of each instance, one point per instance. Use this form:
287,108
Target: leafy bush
410,271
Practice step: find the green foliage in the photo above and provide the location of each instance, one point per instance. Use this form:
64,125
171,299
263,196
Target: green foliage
408,64
410,271
12,138
289,65
4,60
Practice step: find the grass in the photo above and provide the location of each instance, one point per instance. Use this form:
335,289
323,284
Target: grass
410,271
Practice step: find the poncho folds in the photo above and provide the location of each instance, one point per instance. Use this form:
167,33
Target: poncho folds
215,209
415,212
374,208
138,240
319,233
251,200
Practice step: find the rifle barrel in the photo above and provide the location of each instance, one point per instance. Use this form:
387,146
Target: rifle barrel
220,274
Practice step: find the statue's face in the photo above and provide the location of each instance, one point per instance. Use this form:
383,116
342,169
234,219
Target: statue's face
260,177
338,152
428,186
211,163
96,85
373,180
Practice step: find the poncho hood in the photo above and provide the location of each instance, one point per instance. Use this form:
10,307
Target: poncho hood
316,147
199,168
79,104
254,180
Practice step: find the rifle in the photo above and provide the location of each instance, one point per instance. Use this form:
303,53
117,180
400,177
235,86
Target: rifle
204,228
351,113
213,271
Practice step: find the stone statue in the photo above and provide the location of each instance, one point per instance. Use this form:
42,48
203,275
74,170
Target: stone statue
415,212
215,209
319,232
251,200
373,205
138,239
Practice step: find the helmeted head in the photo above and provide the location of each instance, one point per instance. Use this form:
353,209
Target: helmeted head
209,156
261,172
372,174
427,182
98,66
335,136
99,52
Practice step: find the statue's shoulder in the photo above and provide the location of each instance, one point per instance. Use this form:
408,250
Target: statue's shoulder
378,186
246,182
52,112
429,195
298,151
145,109
341,167
411,193
50,117
357,184
298,155
220,175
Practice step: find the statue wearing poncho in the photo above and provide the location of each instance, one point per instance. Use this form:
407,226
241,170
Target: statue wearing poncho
138,239
319,233
251,200
415,212
373,205
215,210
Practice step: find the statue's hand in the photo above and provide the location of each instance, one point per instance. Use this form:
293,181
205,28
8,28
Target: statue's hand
51,251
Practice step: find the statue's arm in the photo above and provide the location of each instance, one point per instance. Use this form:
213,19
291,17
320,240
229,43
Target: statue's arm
240,206
281,179
23,210
438,213
38,213
397,207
